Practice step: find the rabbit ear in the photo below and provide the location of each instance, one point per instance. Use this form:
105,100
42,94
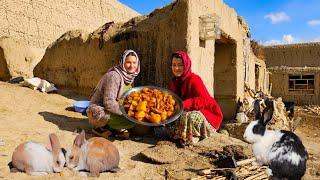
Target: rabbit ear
55,144
256,109
80,139
268,102
239,105
268,112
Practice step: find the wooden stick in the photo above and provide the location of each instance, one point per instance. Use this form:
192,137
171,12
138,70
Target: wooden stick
204,172
199,178
255,176
312,110
263,176
221,169
208,171
253,168
246,161
219,178
243,172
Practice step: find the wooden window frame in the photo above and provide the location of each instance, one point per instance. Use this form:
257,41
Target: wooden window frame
301,84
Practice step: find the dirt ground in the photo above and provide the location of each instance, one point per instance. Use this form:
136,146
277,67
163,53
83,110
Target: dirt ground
309,132
26,114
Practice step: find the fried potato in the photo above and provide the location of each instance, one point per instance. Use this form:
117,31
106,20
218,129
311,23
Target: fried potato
130,113
169,113
155,118
164,115
134,103
142,106
150,105
139,114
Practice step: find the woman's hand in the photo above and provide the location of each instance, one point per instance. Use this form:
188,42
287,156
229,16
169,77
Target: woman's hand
97,116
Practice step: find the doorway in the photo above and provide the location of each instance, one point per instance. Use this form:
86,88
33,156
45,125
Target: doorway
225,76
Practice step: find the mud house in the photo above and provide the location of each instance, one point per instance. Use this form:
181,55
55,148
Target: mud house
295,70
216,38
28,27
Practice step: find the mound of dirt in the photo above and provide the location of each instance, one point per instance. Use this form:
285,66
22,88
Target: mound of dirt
162,154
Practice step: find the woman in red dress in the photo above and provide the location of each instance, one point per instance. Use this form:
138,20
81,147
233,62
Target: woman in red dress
202,114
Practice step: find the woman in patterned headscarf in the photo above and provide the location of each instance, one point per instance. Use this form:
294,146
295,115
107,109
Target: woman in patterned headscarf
104,110
202,114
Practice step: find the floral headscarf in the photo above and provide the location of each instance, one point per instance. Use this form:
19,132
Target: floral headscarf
127,77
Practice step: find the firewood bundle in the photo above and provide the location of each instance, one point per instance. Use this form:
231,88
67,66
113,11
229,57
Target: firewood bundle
245,170
314,109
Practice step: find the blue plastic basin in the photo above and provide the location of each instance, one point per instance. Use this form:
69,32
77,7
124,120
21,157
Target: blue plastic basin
81,106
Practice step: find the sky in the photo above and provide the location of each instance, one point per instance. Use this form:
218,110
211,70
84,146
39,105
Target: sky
271,21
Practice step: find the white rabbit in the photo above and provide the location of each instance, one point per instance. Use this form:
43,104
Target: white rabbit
95,155
281,150
37,159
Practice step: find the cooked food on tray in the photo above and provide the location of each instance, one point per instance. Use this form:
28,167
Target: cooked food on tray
150,105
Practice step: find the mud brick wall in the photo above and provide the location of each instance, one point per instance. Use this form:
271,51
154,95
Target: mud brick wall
40,22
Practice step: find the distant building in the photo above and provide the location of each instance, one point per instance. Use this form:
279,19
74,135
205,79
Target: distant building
295,71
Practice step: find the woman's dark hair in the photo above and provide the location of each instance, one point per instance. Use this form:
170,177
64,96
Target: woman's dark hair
131,54
176,55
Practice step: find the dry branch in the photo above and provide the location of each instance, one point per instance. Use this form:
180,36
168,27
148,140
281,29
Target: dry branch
209,171
255,176
246,161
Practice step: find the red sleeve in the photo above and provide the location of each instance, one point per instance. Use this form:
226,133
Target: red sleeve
217,115
200,95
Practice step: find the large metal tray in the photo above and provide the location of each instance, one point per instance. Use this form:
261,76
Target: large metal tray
171,119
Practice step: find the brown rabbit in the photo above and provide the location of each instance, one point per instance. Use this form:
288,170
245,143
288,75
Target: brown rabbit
94,155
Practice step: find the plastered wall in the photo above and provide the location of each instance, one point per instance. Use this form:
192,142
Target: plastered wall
40,22
203,56
294,55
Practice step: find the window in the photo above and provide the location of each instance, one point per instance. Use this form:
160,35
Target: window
301,84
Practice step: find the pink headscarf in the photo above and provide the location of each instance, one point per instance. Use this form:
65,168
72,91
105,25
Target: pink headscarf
128,77
186,66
